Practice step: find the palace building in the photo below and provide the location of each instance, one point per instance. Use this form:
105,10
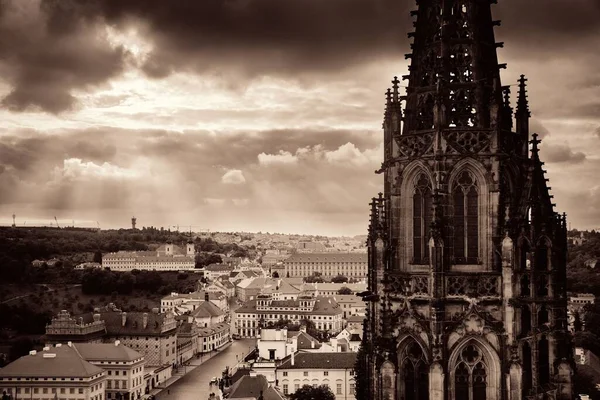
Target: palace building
467,255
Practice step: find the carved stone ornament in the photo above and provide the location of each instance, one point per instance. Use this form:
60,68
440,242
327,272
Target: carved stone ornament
468,142
412,146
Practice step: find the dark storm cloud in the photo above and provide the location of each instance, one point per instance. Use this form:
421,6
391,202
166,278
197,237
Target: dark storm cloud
532,26
265,36
47,51
286,37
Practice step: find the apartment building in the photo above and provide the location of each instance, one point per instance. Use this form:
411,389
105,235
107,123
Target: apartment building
265,311
335,370
53,373
166,258
351,265
124,368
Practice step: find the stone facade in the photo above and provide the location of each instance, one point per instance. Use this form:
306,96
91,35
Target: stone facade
467,257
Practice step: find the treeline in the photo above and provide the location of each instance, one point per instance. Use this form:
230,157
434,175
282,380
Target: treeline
580,277
44,243
105,282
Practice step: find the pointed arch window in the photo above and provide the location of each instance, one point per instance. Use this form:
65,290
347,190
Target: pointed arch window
415,376
470,375
422,215
466,219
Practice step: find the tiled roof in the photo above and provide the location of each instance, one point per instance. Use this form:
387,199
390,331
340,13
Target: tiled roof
323,306
253,283
66,363
207,309
251,387
327,257
355,337
106,352
355,318
134,322
222,327
218,267
302,360
305,342
239,373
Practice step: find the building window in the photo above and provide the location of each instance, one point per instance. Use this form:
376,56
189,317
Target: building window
305,373
285,373
352,389
466,219
326,373
415,372
422,216
285,388
470,376
338,388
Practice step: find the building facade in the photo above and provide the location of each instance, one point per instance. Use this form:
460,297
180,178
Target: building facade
351,265
124,368
264,312
54,373
467,257
166,258
335,370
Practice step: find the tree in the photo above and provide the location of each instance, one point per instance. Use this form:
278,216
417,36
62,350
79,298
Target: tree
98,257
339,279
308,392
345,290
314,278
577,324
361,371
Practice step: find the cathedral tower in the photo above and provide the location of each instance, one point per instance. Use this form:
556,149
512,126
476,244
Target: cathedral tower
467,257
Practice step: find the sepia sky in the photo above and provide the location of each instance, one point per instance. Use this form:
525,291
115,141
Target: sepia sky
254,115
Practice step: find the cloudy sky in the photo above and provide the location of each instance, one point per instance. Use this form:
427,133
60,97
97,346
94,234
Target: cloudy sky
255,115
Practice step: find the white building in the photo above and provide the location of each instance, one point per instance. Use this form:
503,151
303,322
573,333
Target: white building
335,370
183,303
351,265
166,258
55,372
264,312
124,367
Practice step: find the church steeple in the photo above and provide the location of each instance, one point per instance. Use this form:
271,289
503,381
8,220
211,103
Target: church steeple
454,76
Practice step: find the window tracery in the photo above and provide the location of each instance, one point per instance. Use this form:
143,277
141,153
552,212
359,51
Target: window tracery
466,219
422,217
470,375
415,372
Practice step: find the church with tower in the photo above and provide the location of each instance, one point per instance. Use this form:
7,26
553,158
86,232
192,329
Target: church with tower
466,294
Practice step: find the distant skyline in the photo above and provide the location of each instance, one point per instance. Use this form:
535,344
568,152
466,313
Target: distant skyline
253,115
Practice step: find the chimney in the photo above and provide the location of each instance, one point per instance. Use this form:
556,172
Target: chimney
123,318
206,296
312,344
145,320
117,342
293,358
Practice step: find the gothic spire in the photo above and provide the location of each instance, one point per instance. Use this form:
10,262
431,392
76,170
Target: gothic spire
454,74
523,114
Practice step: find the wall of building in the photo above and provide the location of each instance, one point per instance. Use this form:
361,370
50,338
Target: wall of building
341,382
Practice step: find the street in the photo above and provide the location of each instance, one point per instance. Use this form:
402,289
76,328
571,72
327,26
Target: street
194,385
